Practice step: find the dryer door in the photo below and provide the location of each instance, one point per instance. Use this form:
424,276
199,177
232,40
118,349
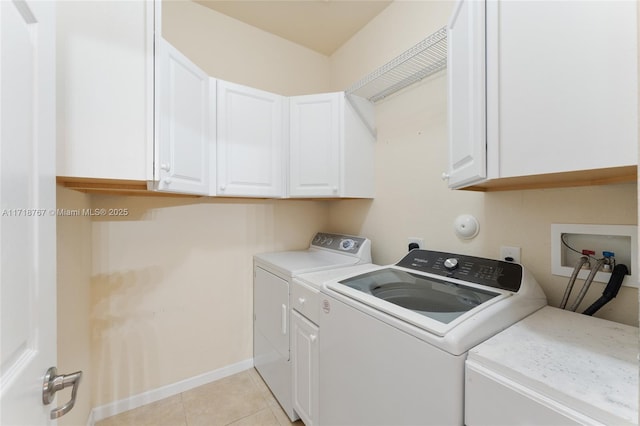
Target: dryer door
271,310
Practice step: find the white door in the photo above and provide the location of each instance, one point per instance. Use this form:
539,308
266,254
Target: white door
467,85
271,309
27,198
249,141
314,162
184,115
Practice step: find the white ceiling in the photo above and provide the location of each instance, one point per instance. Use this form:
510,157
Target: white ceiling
321,25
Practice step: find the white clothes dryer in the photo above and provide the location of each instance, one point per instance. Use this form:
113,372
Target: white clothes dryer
273,275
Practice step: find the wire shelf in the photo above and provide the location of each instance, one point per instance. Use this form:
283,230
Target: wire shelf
422,60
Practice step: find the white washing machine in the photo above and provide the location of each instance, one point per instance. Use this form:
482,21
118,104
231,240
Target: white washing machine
273,274
394,340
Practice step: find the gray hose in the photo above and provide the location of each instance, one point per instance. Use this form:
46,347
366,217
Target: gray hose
572,280
587,283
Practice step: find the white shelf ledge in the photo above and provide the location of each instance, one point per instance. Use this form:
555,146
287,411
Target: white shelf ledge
422,60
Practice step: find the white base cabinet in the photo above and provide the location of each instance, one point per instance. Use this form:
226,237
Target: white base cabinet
518,405
250,141
331,146
554,367
557,96
304,345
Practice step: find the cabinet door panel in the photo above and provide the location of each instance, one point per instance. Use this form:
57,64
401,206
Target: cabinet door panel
271,309
567,93
305,368
250,141
104,54
315,145
466,70
184,135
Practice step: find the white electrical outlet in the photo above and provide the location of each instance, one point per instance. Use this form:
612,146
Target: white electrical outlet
512,253
418,241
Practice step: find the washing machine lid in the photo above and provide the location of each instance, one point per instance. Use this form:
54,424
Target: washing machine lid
431,303
294,263
317,279
443,301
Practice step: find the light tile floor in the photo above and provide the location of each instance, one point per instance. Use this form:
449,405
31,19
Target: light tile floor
239,400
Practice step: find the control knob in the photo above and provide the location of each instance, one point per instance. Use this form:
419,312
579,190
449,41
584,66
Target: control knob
451,263
347,244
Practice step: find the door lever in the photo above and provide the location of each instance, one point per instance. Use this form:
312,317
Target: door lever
53,383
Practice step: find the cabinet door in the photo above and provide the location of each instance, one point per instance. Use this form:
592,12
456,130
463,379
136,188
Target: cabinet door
104,53
466,72
567,94
314,156
183,119
249,141
271,310
305,368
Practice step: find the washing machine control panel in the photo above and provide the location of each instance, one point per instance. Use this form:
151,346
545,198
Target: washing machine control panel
478,270
338,242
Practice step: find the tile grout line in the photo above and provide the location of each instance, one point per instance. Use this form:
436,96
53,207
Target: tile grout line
264,399
184,409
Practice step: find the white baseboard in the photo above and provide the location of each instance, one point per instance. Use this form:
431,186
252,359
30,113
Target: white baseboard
135,401
91,420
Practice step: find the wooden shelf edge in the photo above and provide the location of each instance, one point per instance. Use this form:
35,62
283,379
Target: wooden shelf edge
626,174
139,188
114,187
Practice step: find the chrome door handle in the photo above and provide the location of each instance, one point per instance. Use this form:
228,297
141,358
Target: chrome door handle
53,383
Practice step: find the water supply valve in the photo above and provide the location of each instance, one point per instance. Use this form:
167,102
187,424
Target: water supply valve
610,261
588,254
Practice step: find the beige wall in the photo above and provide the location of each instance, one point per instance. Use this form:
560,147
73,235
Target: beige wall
164,293
411,154
398,27
171,288
73,275
231,50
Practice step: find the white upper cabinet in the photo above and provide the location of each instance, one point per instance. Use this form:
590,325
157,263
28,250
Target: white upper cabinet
467,115
135,114
561,97
314,145
250,142
331,146
104,90
185,111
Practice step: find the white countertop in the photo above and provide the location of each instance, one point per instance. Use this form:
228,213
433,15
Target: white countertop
586,363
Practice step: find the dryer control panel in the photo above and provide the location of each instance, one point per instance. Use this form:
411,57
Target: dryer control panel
478,270
338,242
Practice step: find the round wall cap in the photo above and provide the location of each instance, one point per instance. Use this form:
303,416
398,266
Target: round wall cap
466,226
